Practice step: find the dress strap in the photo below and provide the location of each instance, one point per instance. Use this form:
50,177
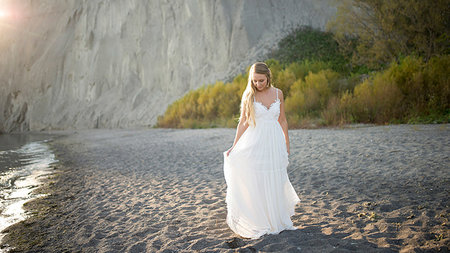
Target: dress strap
277,93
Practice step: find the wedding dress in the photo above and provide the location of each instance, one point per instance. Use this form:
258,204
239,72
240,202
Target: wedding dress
260,198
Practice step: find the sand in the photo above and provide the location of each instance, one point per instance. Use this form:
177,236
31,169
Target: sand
362,189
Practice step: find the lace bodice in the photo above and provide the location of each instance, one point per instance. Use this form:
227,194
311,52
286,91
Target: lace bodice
264,113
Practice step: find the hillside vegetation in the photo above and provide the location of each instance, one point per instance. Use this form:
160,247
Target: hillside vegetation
329,78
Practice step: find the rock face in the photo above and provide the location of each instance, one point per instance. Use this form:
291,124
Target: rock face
78,64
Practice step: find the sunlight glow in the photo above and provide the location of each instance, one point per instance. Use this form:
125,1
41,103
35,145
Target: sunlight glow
3,14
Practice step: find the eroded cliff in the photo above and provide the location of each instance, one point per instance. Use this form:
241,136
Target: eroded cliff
117,64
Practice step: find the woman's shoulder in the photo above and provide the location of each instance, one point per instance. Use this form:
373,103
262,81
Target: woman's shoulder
278,91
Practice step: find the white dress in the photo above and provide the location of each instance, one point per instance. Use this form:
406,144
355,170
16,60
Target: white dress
260,198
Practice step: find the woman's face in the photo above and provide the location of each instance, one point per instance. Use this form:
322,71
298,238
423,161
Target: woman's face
260,81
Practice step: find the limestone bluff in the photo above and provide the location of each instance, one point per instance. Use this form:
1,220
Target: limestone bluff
80,64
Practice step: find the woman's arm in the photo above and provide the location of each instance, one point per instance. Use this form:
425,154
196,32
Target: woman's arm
241,127
283,122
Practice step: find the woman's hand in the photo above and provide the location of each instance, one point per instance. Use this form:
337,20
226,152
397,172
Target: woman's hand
229,150
288,151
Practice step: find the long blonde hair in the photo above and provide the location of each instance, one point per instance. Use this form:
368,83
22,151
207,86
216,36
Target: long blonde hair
248,96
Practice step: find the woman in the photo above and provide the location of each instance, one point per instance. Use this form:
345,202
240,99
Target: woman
260,198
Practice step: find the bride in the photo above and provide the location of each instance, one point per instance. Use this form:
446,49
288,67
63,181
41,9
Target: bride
260,198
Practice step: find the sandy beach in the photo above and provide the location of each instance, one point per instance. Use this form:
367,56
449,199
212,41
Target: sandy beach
362,189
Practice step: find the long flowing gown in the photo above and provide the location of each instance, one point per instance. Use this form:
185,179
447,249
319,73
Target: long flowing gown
260,198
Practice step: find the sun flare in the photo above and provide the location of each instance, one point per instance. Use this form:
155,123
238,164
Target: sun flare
3,14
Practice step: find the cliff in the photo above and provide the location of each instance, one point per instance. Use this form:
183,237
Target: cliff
77,64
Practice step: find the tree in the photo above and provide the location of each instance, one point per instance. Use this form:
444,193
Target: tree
375,32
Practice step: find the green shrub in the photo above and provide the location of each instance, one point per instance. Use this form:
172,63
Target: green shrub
409,91
321,87
305,43
285,77
309,96
377,32
209,106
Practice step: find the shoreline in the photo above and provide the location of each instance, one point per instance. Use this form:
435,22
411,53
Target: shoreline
26,161
163,189
37,209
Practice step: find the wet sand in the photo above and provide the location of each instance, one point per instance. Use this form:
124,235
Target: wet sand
363,189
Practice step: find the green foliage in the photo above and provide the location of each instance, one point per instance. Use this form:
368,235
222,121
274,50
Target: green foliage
410,91
218,105
322,87
377,32
310,95
305,43
285,77
209,106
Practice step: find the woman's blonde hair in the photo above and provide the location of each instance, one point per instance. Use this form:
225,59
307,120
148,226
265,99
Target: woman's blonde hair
248,96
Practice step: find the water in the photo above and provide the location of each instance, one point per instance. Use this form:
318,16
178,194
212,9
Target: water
25,159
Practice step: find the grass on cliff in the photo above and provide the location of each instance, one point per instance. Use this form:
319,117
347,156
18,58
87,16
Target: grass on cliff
322,88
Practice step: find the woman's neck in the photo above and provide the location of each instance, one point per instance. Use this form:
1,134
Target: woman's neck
264,91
